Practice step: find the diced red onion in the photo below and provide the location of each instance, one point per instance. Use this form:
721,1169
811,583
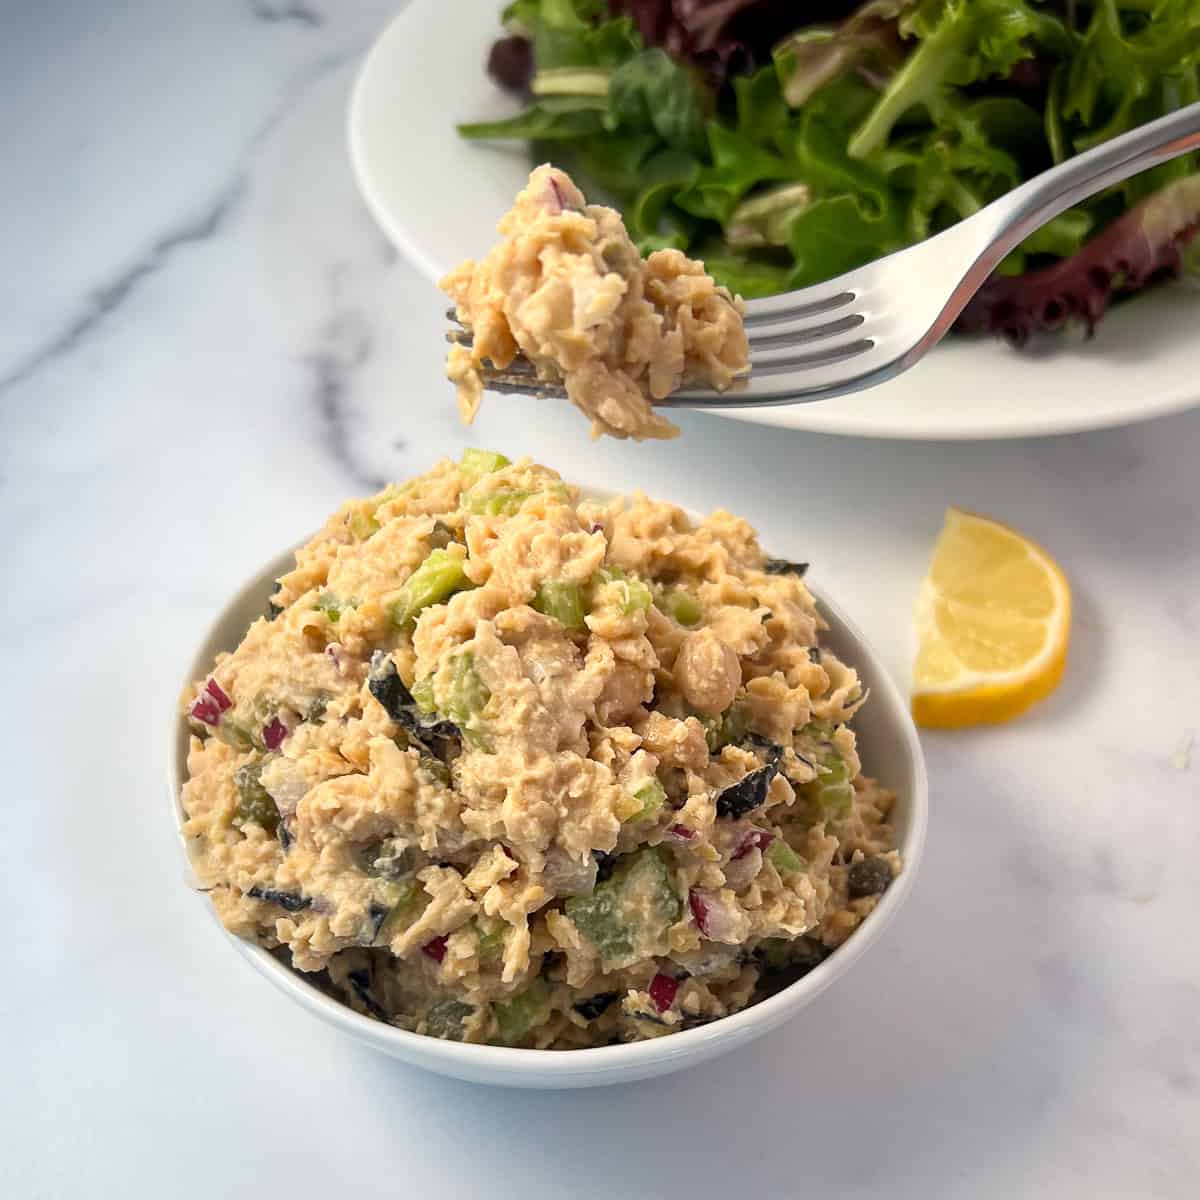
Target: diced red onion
205,709
435,949
273,734
214,689
562,201
752,839
334,653
714,917
682,832
662,991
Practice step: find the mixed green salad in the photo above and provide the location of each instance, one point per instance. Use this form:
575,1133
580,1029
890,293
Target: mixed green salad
784,143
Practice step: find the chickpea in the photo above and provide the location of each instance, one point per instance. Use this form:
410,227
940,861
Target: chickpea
707,672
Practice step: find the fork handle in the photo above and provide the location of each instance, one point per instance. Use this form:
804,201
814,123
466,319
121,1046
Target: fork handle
1032,204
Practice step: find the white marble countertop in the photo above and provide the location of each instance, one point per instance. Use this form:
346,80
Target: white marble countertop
205,346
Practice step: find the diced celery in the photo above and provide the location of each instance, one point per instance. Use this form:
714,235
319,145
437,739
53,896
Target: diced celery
683,606
254,801
630,593
422,693
234,733
507,501
445,1019
726,730
519,1016
477,462
468,693
653,796
489,945
783,858
433,582
405,897
562,601
831,794
634,905
329,604
362,525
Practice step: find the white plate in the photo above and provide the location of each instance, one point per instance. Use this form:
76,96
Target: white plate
438,198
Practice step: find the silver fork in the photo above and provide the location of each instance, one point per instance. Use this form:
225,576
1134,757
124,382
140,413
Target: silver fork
869,325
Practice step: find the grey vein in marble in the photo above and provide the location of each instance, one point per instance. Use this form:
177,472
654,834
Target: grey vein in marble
292,14
108,298
345,348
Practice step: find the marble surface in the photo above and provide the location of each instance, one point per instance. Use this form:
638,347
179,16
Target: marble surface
205,346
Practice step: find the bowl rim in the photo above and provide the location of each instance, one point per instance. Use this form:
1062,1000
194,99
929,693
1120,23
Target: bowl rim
630,1058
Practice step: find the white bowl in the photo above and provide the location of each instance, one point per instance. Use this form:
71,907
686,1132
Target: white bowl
890,749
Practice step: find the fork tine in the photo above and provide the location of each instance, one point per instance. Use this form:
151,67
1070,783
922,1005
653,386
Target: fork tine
796,335
794,306
515,383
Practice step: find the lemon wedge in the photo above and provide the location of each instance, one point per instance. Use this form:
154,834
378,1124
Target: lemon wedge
993,619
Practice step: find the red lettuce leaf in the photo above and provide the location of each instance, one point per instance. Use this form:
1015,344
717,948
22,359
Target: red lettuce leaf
1144,245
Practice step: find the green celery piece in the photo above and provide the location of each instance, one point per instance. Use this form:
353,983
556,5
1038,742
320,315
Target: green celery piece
506,502
468,693
422,694
362,525
562,601
405,902
638,898
632,594
254,801
653,796
329,604
830,795
234,733
598,918
489,945
531,1008
726,730
445,1019
683,606
476,463
783,858
433,582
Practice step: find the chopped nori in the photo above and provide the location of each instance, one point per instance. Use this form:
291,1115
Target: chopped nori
273,609
377,914
604,864
436,736
868,877
784,961
593,1006
814,655
772,750
781,566
748,793
360,981
284,834
292,901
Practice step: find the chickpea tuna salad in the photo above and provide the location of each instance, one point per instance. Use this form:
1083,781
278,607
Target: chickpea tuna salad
506,764
566,287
